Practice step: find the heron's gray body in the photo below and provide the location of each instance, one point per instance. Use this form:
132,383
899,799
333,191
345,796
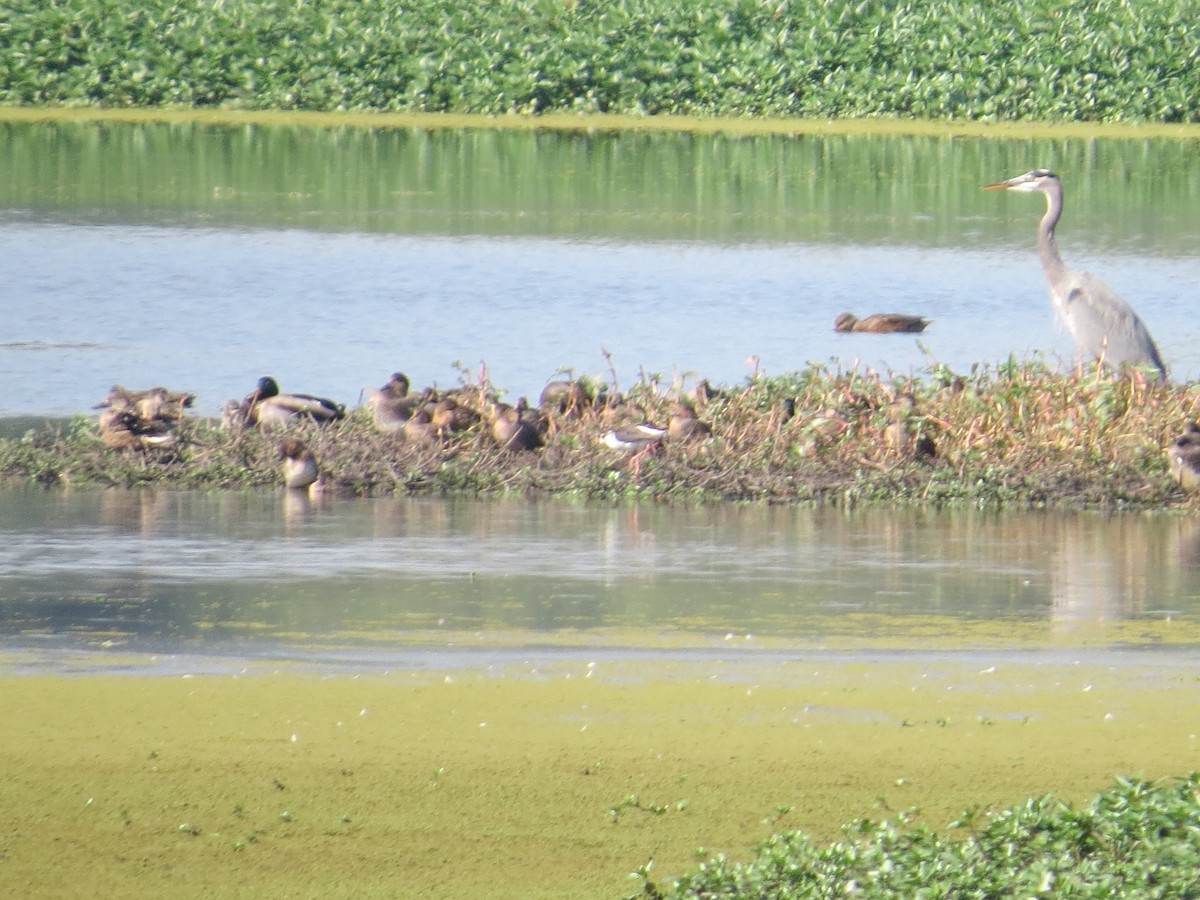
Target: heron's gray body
1103,325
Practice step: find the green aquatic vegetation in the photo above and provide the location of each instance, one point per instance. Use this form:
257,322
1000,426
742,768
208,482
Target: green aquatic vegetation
1138,838
838,59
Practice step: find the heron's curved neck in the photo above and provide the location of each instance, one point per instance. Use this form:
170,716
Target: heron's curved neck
1052,263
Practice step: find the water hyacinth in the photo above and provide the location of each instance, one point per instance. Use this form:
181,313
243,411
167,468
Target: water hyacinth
1135,839
840,59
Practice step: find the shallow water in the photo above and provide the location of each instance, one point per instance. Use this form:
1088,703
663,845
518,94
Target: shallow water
220,579
202,257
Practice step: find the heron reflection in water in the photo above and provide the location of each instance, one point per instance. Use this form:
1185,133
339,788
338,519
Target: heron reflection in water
1103,325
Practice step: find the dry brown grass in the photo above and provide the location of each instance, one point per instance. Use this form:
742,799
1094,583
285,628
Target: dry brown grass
1017,435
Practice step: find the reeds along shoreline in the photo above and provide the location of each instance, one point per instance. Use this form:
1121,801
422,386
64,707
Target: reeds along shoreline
1018,435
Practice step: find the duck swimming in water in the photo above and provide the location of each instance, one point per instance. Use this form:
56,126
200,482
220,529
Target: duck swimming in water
880,323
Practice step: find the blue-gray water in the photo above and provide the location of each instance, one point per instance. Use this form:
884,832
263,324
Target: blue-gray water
210,310
202,257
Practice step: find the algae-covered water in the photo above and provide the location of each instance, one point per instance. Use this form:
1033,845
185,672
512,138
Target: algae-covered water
555,783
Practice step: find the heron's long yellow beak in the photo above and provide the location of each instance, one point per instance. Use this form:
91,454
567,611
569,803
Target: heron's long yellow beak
998,186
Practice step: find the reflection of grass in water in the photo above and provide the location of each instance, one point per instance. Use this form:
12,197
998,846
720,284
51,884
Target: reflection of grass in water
1018,436
394,772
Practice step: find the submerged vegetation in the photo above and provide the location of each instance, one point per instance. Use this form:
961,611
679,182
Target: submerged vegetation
1135,839
985,61
1019,436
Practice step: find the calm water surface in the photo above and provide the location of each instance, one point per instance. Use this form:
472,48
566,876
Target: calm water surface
198,581
203,257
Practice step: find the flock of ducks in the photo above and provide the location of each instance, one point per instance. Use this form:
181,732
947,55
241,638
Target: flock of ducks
139,420
142,420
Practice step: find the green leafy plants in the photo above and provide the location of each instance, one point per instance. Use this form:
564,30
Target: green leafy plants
942,60
1137,838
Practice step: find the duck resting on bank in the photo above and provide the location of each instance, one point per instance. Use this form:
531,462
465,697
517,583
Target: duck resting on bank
266,405
300,469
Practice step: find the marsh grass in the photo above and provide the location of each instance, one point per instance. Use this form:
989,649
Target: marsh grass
1013,435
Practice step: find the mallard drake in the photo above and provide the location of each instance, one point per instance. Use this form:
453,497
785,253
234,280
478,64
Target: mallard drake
881,323
514,428
1183,458
299,465
266,405
685,424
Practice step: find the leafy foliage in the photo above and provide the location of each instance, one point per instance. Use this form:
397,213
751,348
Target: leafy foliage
1136,839
1087,61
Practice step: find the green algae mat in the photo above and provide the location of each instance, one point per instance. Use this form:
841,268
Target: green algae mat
524,783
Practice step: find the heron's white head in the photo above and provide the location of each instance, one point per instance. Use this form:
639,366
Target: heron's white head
1037,180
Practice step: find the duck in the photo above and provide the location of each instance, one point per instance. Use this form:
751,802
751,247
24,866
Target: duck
515,427
450,416
903,434
419,427
685,424
565,398
300,468
123,429
267,405
154,403
392,405
1183,458
880,323
139,420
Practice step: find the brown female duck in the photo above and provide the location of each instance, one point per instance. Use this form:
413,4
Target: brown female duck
880,323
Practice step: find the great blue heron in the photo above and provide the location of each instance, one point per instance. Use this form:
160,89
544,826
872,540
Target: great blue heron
1104,326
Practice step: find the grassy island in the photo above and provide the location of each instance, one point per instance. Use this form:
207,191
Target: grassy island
1018,436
